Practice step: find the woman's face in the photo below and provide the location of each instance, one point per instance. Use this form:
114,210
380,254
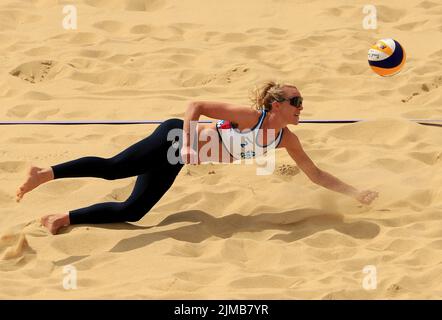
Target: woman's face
290,113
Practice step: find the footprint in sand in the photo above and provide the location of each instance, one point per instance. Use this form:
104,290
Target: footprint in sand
34,71
24,110
287,170
12,166
144,5
427,4
389,14
335,11
110,26
425,88
130,5
411,26
191,78
20,111
141,29
42,115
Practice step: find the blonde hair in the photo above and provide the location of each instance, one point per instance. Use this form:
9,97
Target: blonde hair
263,97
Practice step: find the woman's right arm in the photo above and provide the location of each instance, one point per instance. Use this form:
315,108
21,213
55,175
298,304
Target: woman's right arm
191,117
218,110
225,111
215,110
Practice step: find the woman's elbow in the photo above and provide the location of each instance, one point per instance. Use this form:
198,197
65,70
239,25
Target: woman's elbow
194,107
194,104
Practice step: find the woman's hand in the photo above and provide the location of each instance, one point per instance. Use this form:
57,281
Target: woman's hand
189,155
366,196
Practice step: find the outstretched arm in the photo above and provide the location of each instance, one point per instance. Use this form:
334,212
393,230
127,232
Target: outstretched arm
321,177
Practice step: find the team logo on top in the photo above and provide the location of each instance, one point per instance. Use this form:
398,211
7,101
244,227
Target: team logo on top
248,155
224,124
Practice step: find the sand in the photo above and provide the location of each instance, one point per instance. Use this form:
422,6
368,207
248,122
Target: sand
223,232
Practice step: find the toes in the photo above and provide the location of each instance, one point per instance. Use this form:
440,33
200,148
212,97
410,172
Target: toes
19,196
19,192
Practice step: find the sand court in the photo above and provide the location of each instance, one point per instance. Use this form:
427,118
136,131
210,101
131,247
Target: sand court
222,231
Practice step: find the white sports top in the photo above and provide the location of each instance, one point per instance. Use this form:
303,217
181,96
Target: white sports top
244,145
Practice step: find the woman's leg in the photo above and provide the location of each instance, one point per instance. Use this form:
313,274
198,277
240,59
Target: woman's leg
134,160
148,190
149,187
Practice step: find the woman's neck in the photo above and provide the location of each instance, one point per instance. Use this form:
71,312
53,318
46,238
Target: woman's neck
271,122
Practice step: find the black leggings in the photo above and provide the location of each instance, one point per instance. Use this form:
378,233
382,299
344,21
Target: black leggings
146,159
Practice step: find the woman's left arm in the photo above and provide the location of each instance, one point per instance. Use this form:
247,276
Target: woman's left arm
331,182
320,177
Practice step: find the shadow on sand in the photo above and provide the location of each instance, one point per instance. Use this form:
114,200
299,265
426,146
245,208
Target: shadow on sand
294,225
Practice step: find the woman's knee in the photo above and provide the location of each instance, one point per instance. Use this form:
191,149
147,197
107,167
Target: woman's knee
111,169
133,212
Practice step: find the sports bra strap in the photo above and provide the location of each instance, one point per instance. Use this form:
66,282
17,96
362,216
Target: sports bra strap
261,119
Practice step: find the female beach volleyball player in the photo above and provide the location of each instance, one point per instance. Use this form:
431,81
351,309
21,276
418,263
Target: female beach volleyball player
276,106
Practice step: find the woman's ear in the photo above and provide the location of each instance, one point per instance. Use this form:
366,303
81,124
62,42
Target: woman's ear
275,106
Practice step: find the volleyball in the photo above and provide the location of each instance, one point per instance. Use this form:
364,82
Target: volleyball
386,57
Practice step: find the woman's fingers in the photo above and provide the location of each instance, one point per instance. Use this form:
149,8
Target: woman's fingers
189,156
367,196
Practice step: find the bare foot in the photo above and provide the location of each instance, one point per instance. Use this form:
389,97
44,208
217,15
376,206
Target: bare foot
36,176
53,222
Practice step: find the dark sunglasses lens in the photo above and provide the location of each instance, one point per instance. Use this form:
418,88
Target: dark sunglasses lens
296,101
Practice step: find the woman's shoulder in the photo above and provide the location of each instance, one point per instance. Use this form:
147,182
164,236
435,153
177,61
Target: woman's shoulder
241,118
227,111
287,138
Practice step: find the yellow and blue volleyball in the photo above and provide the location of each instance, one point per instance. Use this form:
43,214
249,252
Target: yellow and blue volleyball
386,57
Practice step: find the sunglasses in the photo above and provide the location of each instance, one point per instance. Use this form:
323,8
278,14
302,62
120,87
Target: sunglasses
294,101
